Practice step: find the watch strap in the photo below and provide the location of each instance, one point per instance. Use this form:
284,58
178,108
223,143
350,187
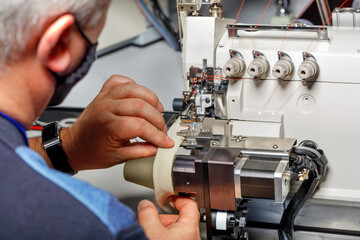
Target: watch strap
52,145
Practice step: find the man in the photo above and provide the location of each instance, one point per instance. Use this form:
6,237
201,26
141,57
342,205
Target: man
46,47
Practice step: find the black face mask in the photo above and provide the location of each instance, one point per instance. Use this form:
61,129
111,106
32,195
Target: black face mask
65,83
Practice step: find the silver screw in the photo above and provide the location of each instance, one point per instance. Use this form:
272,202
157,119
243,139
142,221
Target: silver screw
275,146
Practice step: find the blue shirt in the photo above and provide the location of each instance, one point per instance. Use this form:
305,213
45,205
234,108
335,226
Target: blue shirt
37,202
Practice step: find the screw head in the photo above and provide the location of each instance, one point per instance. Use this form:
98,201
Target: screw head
275,146
207,100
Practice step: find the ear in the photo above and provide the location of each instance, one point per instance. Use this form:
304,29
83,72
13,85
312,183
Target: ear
53,49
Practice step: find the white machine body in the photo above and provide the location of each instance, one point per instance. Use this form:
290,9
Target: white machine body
323,108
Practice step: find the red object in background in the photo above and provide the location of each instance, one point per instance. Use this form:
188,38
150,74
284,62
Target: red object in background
38,128
348,4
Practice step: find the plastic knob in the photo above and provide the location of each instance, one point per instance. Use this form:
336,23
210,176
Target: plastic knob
178,105
258,68
283,69
234,67
308,70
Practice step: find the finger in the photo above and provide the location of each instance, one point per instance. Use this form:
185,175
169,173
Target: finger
132,90
132,127
139,108
188,210
136,150
114,81
148,217
168,219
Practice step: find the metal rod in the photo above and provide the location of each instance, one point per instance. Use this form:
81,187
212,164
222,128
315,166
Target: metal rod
324,10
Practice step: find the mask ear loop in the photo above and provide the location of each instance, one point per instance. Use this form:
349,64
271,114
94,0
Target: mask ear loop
65,83
81,31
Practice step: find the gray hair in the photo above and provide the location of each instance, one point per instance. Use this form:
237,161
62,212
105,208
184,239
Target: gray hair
22,19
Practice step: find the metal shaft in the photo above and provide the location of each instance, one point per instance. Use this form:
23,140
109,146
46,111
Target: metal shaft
324,10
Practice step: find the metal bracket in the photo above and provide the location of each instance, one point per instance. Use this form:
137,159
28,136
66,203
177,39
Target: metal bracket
308,56
236,54
233,29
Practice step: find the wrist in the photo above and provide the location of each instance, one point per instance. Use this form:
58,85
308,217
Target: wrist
67,141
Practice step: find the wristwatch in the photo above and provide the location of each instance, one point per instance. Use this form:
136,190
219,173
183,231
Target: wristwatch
52,144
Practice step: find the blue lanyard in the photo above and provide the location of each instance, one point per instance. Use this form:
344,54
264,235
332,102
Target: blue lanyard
17,125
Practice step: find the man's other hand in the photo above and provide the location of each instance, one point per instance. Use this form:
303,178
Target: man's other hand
165,226
123,110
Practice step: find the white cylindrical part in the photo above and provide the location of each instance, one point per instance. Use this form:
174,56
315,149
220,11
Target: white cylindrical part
221,220
283,69
162,169
308,70
234,67
258,67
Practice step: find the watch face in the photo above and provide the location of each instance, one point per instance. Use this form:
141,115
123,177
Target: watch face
50,131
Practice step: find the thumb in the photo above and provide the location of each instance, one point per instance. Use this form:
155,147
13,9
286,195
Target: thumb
149,219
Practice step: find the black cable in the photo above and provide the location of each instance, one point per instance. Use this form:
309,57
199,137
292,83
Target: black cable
286,228
307,151
316,162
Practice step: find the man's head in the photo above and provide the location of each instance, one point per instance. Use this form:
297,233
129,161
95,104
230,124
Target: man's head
22,20
39,40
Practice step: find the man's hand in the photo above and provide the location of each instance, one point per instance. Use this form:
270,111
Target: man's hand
182,226
122,111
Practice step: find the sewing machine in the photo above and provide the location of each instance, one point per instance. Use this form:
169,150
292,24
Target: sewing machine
264,104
